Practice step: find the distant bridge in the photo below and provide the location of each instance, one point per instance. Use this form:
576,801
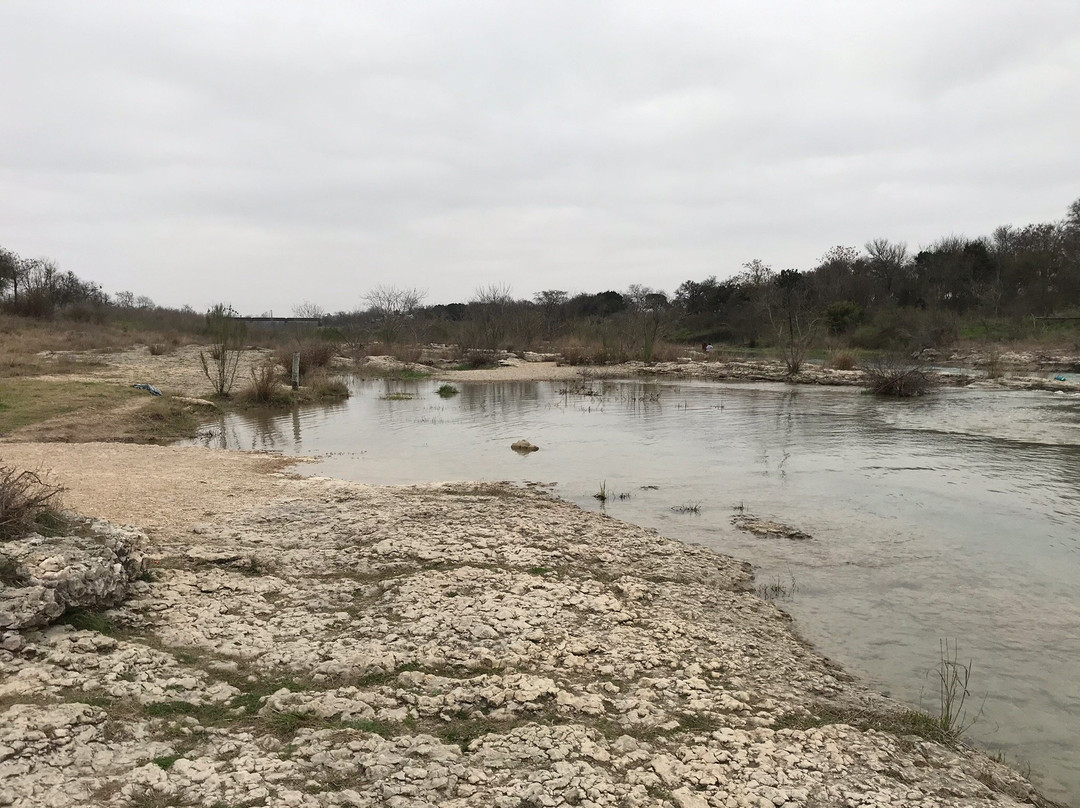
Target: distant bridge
277,322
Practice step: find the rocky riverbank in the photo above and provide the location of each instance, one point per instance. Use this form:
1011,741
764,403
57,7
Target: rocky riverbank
334,644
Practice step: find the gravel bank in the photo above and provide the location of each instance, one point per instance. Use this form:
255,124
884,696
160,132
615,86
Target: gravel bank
331,644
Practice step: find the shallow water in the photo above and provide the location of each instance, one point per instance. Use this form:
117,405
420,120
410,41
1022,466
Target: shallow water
957,515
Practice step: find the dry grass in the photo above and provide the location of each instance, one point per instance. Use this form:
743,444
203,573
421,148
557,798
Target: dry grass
32,401
25,499
326,388
25,339
314,354
80,412
265,388
409,354
843,360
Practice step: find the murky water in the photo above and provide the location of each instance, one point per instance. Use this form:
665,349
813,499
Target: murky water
955,516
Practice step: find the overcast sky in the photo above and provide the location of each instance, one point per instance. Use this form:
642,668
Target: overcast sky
265,153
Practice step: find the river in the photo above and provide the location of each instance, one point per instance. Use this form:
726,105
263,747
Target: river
954,516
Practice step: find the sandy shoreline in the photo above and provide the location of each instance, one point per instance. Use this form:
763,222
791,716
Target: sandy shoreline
179,373
312,642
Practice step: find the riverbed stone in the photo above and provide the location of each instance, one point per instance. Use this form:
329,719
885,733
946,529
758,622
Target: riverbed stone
451,645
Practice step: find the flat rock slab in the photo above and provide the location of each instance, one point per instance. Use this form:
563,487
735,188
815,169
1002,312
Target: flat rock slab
767,528
454,645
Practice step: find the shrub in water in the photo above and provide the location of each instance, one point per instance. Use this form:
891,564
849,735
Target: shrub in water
314,354
886,377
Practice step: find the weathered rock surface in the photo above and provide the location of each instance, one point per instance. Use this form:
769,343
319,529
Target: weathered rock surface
523,446
47,576
454,646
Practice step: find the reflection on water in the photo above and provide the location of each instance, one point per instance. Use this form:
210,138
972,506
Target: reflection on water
951,516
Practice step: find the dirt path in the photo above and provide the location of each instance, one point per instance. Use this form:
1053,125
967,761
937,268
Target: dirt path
163,489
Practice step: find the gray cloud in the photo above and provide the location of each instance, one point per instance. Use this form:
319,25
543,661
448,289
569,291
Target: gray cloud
268,152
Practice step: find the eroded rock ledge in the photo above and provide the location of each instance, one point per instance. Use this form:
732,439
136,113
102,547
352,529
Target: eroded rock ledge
44,577
454,646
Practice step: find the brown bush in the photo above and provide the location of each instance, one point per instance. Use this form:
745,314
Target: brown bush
843,360
406,353
26,499
668,352
323,386
314,354
887,377
265,388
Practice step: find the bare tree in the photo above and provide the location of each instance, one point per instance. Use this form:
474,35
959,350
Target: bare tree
226,348
789,314
650,315
9,264
491,312
888,261
311,311
14,272
552,303
392,308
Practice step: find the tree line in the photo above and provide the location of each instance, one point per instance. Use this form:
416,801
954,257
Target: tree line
882,296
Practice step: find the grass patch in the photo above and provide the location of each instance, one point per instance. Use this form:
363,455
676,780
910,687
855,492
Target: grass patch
82,620
901,723
698,722
166,762
447,391
325,388
286,724
251,699
31,401
398,396
73,412
160,420
466,730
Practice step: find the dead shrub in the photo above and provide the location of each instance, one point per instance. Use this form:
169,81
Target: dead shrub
668,352
574,353
890,377
843,360
314,354
322,386
265,388
409,354
477,359
162,348
26,500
